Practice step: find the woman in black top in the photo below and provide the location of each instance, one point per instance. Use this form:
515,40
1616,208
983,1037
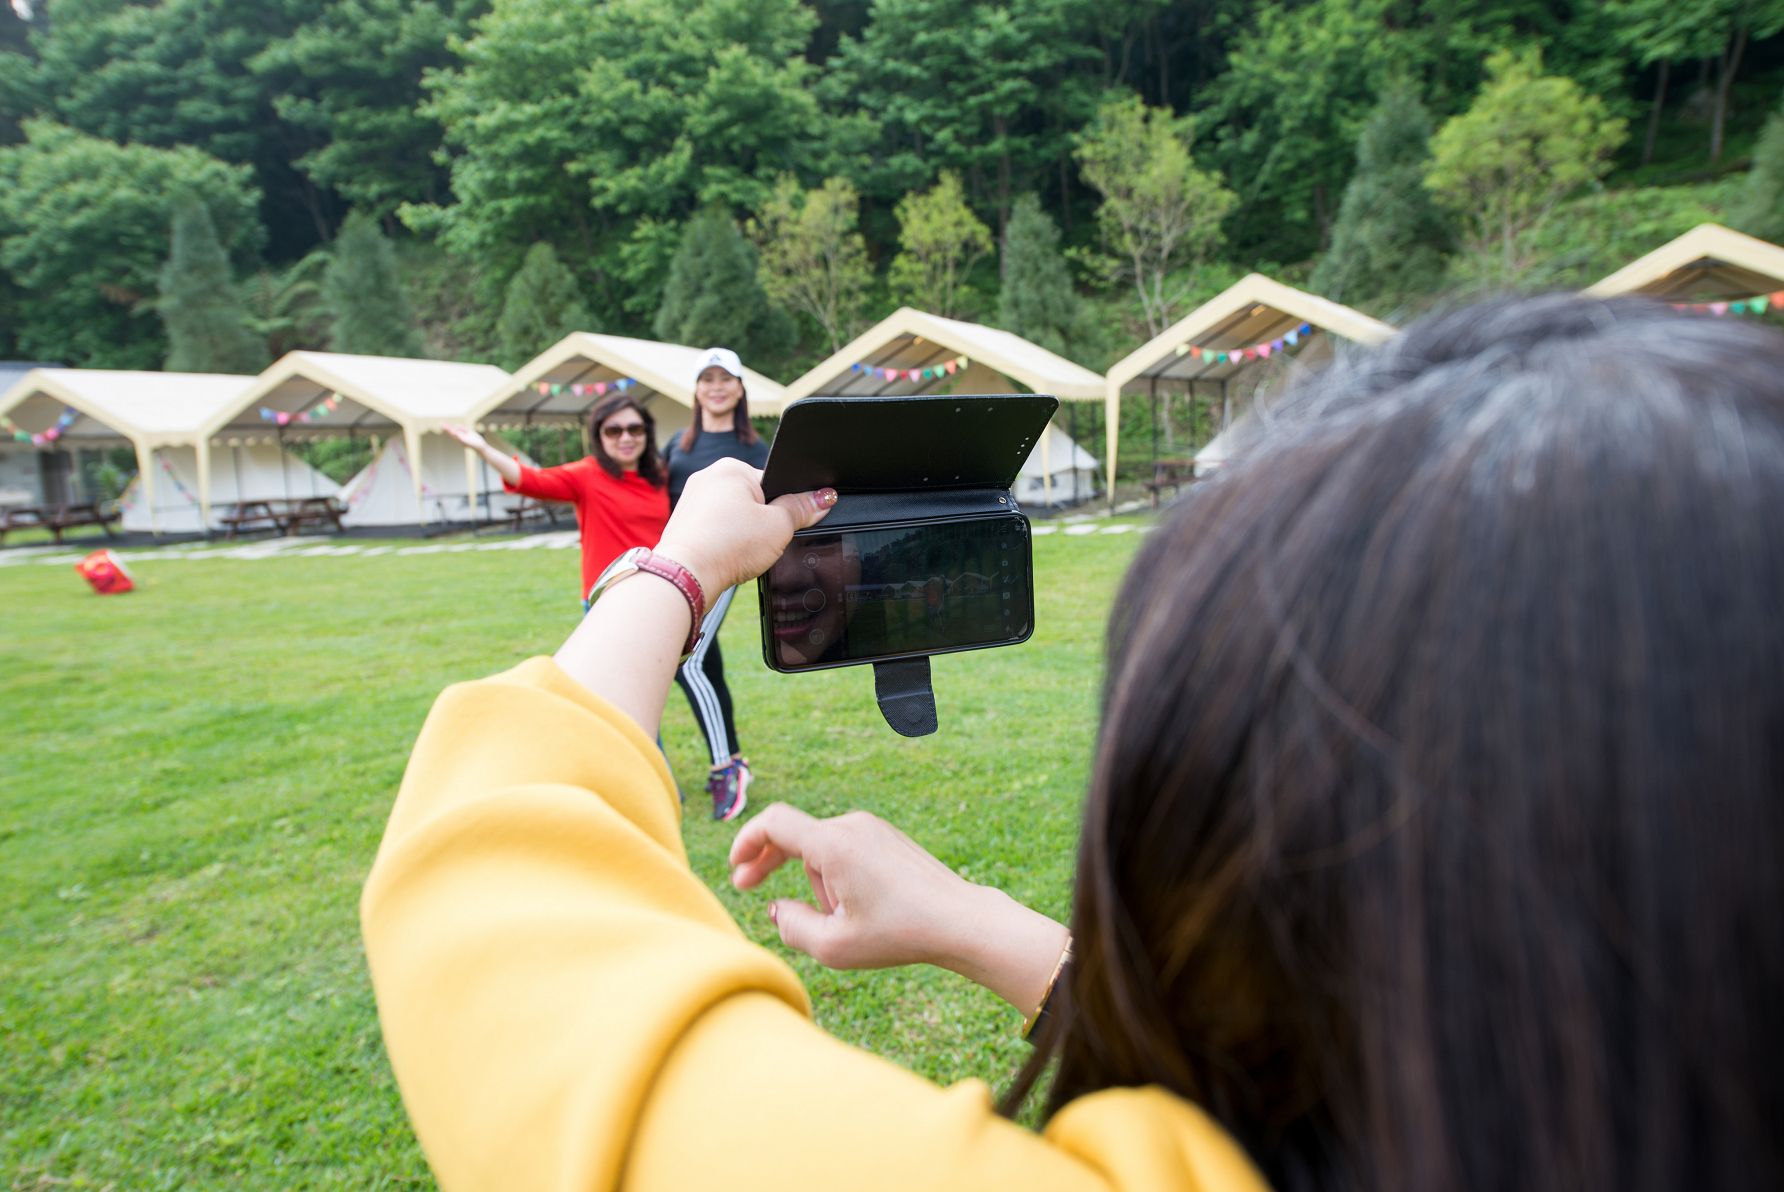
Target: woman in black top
720,430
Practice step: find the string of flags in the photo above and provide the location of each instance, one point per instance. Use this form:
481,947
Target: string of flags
1756,305
184,492
322,409
583,389
1257,351
41,438
934,372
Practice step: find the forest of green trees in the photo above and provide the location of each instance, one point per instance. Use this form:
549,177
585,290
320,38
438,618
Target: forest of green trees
206,184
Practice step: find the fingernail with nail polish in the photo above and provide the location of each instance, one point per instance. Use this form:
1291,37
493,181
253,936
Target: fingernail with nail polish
826,497
773,914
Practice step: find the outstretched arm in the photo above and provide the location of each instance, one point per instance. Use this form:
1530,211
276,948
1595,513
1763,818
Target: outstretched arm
505,465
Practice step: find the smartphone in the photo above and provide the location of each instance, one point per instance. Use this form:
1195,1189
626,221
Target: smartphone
896,590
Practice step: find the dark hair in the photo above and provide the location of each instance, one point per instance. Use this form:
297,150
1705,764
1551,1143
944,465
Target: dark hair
746,430
1433,836
650,464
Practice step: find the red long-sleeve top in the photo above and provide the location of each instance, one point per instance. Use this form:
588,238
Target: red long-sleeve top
615,514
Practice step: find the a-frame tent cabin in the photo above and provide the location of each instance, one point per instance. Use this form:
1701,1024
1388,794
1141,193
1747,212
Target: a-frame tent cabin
1710,266
309,395
911,351
1226,348
163,417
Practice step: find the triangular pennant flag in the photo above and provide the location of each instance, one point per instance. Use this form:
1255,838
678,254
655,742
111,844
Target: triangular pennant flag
1760,303
600,388
1718,308
1293,337
951,366
1305,328
1264,350
544,388
1276,345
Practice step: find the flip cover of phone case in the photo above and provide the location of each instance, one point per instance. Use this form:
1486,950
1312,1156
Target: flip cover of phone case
902,458
898,458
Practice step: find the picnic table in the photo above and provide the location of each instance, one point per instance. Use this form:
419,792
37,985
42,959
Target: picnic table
1172,474
283,515
58,518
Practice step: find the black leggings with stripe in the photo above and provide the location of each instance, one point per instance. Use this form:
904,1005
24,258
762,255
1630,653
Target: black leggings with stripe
702,680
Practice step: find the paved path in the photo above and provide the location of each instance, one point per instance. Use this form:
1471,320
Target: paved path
312,548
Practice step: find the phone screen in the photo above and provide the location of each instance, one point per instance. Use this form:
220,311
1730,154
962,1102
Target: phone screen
887,591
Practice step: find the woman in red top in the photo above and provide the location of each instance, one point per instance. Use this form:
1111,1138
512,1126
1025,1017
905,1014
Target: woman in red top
621,492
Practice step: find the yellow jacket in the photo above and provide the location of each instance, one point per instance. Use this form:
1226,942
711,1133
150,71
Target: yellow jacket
567,1006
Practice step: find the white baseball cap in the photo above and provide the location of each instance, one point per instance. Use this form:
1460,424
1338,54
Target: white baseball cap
723,358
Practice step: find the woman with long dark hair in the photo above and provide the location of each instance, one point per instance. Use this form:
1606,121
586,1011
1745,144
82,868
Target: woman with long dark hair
620,489
1431,840
720,429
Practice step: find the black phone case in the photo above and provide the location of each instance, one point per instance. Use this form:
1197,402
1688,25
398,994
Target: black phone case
903,459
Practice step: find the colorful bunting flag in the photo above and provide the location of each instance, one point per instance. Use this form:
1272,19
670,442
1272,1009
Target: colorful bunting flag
320,410
1758,304
934,372
1257,351
42,438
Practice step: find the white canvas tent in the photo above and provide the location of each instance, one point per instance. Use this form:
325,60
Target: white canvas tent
911,351
1710,263
258,472
383,492
66,409
558,387
308,395
1072,477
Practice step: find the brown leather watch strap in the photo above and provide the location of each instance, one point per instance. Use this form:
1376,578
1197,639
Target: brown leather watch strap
666,568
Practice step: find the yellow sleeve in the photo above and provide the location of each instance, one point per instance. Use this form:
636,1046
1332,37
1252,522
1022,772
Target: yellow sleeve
566,1006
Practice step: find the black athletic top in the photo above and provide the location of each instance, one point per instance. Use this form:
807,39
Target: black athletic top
709,448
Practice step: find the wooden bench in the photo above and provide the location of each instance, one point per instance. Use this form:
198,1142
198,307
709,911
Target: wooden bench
248,516
530,510
58,518
1172,474
321,512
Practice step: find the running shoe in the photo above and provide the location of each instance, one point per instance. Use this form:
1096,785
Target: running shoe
729,786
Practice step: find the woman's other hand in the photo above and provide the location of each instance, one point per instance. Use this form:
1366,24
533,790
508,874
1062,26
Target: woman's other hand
882,900
723,532
468,437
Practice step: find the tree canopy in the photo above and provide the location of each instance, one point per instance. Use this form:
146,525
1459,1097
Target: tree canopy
1172,143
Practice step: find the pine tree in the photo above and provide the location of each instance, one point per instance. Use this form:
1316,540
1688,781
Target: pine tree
207,325
1036,299
364,294
542,306
1390,238
713,297
1759,208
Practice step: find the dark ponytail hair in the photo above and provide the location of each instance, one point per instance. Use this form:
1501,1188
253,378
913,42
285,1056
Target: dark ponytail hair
1432,837
650,464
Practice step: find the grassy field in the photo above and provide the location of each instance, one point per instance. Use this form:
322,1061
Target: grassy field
197,776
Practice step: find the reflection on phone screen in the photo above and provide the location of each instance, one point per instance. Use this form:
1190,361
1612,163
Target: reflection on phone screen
873,593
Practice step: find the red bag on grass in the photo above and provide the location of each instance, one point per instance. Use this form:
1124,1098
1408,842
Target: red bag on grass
106,572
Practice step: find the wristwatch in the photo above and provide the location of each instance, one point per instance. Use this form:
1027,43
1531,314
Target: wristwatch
640,559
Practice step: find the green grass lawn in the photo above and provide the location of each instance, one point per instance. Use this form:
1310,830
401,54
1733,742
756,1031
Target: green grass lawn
196,777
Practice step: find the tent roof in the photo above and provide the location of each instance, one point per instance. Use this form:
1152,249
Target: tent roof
585,359
1708,263
909,339
1253,312
152,408
376,391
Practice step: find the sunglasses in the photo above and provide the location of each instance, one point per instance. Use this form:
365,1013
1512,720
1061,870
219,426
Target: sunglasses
614,434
